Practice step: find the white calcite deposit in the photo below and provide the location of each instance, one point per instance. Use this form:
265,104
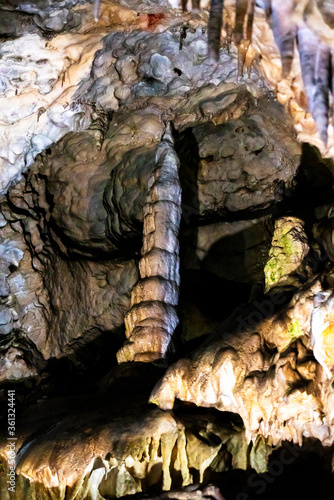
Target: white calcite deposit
40,77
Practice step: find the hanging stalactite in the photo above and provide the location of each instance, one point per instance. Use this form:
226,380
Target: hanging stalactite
152,319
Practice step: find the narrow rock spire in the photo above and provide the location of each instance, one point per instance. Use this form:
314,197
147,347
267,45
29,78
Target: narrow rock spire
215,27
152,319
96,10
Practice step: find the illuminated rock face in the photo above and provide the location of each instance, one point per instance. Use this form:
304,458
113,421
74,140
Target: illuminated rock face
48,86
289,248
322,332
258,365
147,193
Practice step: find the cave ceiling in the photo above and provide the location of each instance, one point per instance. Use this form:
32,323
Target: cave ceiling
166,249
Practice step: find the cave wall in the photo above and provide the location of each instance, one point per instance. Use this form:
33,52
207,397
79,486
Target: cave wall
166,253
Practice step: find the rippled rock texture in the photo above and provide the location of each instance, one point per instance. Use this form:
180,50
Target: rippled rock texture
166,252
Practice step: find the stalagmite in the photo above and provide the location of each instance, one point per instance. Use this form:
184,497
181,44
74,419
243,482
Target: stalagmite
289,248
152,319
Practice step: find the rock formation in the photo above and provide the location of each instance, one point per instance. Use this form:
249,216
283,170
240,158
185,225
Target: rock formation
166,250
152,318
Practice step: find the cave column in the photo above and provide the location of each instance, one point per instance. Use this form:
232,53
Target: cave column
152,318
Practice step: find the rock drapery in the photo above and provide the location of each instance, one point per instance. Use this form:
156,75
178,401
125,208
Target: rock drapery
146,190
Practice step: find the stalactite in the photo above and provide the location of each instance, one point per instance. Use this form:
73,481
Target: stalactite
214,28
307,47
289,23
152,319
321,95
217,374
322,331
284,29
96,10
162,452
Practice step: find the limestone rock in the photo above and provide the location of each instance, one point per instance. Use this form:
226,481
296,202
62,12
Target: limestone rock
250,366
120,449
152,319
117,229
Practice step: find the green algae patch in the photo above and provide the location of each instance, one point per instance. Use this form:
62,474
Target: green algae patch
294,330
288,249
